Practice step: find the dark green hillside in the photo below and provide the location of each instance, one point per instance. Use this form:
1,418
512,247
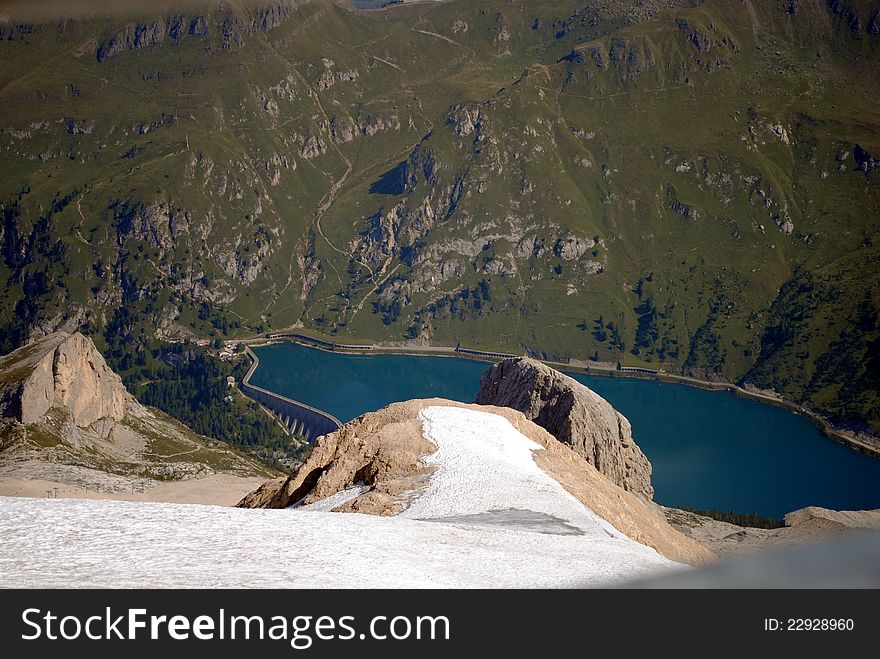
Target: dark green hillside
676,184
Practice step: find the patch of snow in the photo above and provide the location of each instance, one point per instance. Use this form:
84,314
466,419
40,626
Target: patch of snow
488,518
329,503
482,463
80,543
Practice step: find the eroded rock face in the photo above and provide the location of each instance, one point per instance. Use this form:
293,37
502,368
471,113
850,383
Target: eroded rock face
131,37
573,414
64,370
570,248
381,452
85,385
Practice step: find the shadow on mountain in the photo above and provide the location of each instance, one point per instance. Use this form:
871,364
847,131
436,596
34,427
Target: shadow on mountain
392,182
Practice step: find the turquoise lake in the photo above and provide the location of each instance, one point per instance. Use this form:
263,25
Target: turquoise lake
709,449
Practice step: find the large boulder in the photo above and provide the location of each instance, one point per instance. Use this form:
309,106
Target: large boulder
573,414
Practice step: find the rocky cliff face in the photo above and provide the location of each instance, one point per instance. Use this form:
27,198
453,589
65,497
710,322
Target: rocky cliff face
63,370
573,414
66,418
377,465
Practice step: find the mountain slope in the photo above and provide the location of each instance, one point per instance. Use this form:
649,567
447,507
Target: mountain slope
680,185
67,423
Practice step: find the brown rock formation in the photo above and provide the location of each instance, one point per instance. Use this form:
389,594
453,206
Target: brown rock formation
63,370
382,450
573,414
67,420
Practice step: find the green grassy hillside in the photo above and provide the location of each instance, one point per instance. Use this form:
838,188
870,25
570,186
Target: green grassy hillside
680,184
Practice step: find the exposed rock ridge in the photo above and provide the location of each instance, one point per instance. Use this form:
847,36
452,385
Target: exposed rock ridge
380,450
572,413
230,26
815,519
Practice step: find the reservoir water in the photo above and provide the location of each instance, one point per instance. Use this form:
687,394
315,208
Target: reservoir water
709,449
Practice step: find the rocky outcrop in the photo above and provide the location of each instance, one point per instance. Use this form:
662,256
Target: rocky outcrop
66,419
466,120
379,458
78,126
873,27
232,28
380,450
131,37
816,520
342,129
66,371
866,161
150,223
198,27
574,414
370,124
329,78
85,385
312,147
570,248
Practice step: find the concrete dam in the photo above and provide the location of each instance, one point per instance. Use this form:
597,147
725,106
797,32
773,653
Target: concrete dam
300,419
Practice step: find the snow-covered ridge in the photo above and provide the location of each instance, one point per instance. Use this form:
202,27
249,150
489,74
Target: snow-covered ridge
489,516
483,464
83,543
